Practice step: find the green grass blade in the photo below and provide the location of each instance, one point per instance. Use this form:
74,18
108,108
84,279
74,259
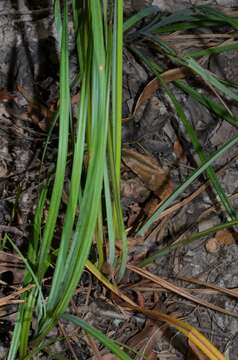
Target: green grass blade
186,241
38,216
91,196
25,320
117,85
194,139
218,16
99,237
210,78
133,20
62,152
212,50
185,16
55,292
117,65
180,189
108,343
57,16
202,156
110,220
24,315
16,335
215,107
191,18
29,269
117,210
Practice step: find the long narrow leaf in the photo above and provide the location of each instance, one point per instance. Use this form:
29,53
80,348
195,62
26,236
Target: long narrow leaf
189,180
62,151
108,343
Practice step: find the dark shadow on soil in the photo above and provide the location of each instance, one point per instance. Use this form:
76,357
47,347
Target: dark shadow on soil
34,56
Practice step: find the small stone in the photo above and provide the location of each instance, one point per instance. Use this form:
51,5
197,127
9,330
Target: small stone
212,245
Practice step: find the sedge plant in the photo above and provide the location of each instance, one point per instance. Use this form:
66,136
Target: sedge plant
95,183
93,213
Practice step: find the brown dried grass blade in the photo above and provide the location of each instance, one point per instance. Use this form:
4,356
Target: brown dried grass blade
200,341
179,291
230,292
11,299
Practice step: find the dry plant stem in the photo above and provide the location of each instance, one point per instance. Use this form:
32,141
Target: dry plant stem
67,341
215,92
230,292
189,199
177,36
195,336
150,344
147,285
201,217
200,291
94,347
10,299
177,290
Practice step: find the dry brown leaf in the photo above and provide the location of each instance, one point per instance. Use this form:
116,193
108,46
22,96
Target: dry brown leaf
153,85
152,356
40,115
150,343
134,212
11,229
151,206
147,169
135,190
225,237
167,190
132,242
139,255
222,238
179,151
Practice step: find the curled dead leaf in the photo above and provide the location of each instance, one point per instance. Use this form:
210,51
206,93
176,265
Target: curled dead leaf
154,85
147,168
